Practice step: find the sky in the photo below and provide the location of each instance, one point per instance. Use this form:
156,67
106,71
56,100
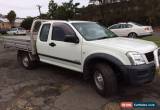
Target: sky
24,8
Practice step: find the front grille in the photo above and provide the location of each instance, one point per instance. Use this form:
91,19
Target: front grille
150,56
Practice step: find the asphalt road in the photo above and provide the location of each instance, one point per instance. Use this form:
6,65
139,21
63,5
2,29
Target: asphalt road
53,88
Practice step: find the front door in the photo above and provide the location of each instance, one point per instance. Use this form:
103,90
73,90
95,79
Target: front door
61,53
116,29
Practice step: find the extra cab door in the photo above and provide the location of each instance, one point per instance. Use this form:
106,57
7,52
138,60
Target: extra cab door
42,42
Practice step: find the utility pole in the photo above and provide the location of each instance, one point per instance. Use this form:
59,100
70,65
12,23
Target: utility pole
39,8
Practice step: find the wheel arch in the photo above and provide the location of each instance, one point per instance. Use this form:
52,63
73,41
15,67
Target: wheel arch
133,32
32,57
115,63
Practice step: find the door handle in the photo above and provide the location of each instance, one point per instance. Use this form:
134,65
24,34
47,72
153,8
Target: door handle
52,44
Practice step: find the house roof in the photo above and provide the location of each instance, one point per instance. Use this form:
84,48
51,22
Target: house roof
3,20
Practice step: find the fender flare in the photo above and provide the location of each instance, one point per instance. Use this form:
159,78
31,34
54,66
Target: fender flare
106,57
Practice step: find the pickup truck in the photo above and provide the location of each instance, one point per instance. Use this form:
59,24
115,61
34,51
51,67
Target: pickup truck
90,49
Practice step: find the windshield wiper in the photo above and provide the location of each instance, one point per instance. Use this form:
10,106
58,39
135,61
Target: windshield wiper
101,38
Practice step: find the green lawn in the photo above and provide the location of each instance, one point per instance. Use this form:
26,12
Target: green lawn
154,39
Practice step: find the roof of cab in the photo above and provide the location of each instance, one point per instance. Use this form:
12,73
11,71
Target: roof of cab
65,21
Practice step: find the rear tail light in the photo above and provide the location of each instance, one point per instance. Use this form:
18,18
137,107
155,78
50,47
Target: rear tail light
147,29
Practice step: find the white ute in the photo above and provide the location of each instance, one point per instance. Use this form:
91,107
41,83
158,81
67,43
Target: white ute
88,48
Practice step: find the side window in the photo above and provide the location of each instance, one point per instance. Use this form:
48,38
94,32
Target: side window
126,26
44,32
37,26
61,31
117,26
129,26
123,26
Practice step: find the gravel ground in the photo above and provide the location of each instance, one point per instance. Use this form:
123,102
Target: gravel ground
53,88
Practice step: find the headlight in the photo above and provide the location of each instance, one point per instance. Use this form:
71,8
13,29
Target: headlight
136,58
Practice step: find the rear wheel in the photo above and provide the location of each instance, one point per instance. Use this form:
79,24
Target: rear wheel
132,35
25,60
104,80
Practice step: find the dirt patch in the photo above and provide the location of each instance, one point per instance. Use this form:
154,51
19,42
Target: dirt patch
5,63
34,97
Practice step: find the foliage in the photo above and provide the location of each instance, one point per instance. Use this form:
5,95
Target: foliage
11,16
52,7
27,23
141,11
64,12
43,16
104,1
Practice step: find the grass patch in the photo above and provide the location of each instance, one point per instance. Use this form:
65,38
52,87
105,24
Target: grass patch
155,39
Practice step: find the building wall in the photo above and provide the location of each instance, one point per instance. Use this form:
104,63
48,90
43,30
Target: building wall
4,25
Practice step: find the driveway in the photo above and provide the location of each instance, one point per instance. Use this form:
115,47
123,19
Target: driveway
53,88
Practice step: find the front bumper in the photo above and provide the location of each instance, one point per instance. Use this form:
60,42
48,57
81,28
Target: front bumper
146,34
137,75
150,33
141,74
157,58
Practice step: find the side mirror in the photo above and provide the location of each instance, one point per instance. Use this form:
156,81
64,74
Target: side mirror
71,39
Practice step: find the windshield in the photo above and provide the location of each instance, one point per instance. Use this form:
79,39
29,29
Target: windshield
93,31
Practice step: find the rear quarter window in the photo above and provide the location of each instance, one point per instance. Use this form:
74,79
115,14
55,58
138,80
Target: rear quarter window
44,32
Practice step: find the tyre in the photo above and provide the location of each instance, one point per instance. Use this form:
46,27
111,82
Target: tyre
105,80
25,60
132,35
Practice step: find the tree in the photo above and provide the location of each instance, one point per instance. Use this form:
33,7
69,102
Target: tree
105,1
11,16
27,23
101,8
44,16
52,7
145,12
64,12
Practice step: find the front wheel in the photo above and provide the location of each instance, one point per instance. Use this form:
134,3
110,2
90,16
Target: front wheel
104,80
